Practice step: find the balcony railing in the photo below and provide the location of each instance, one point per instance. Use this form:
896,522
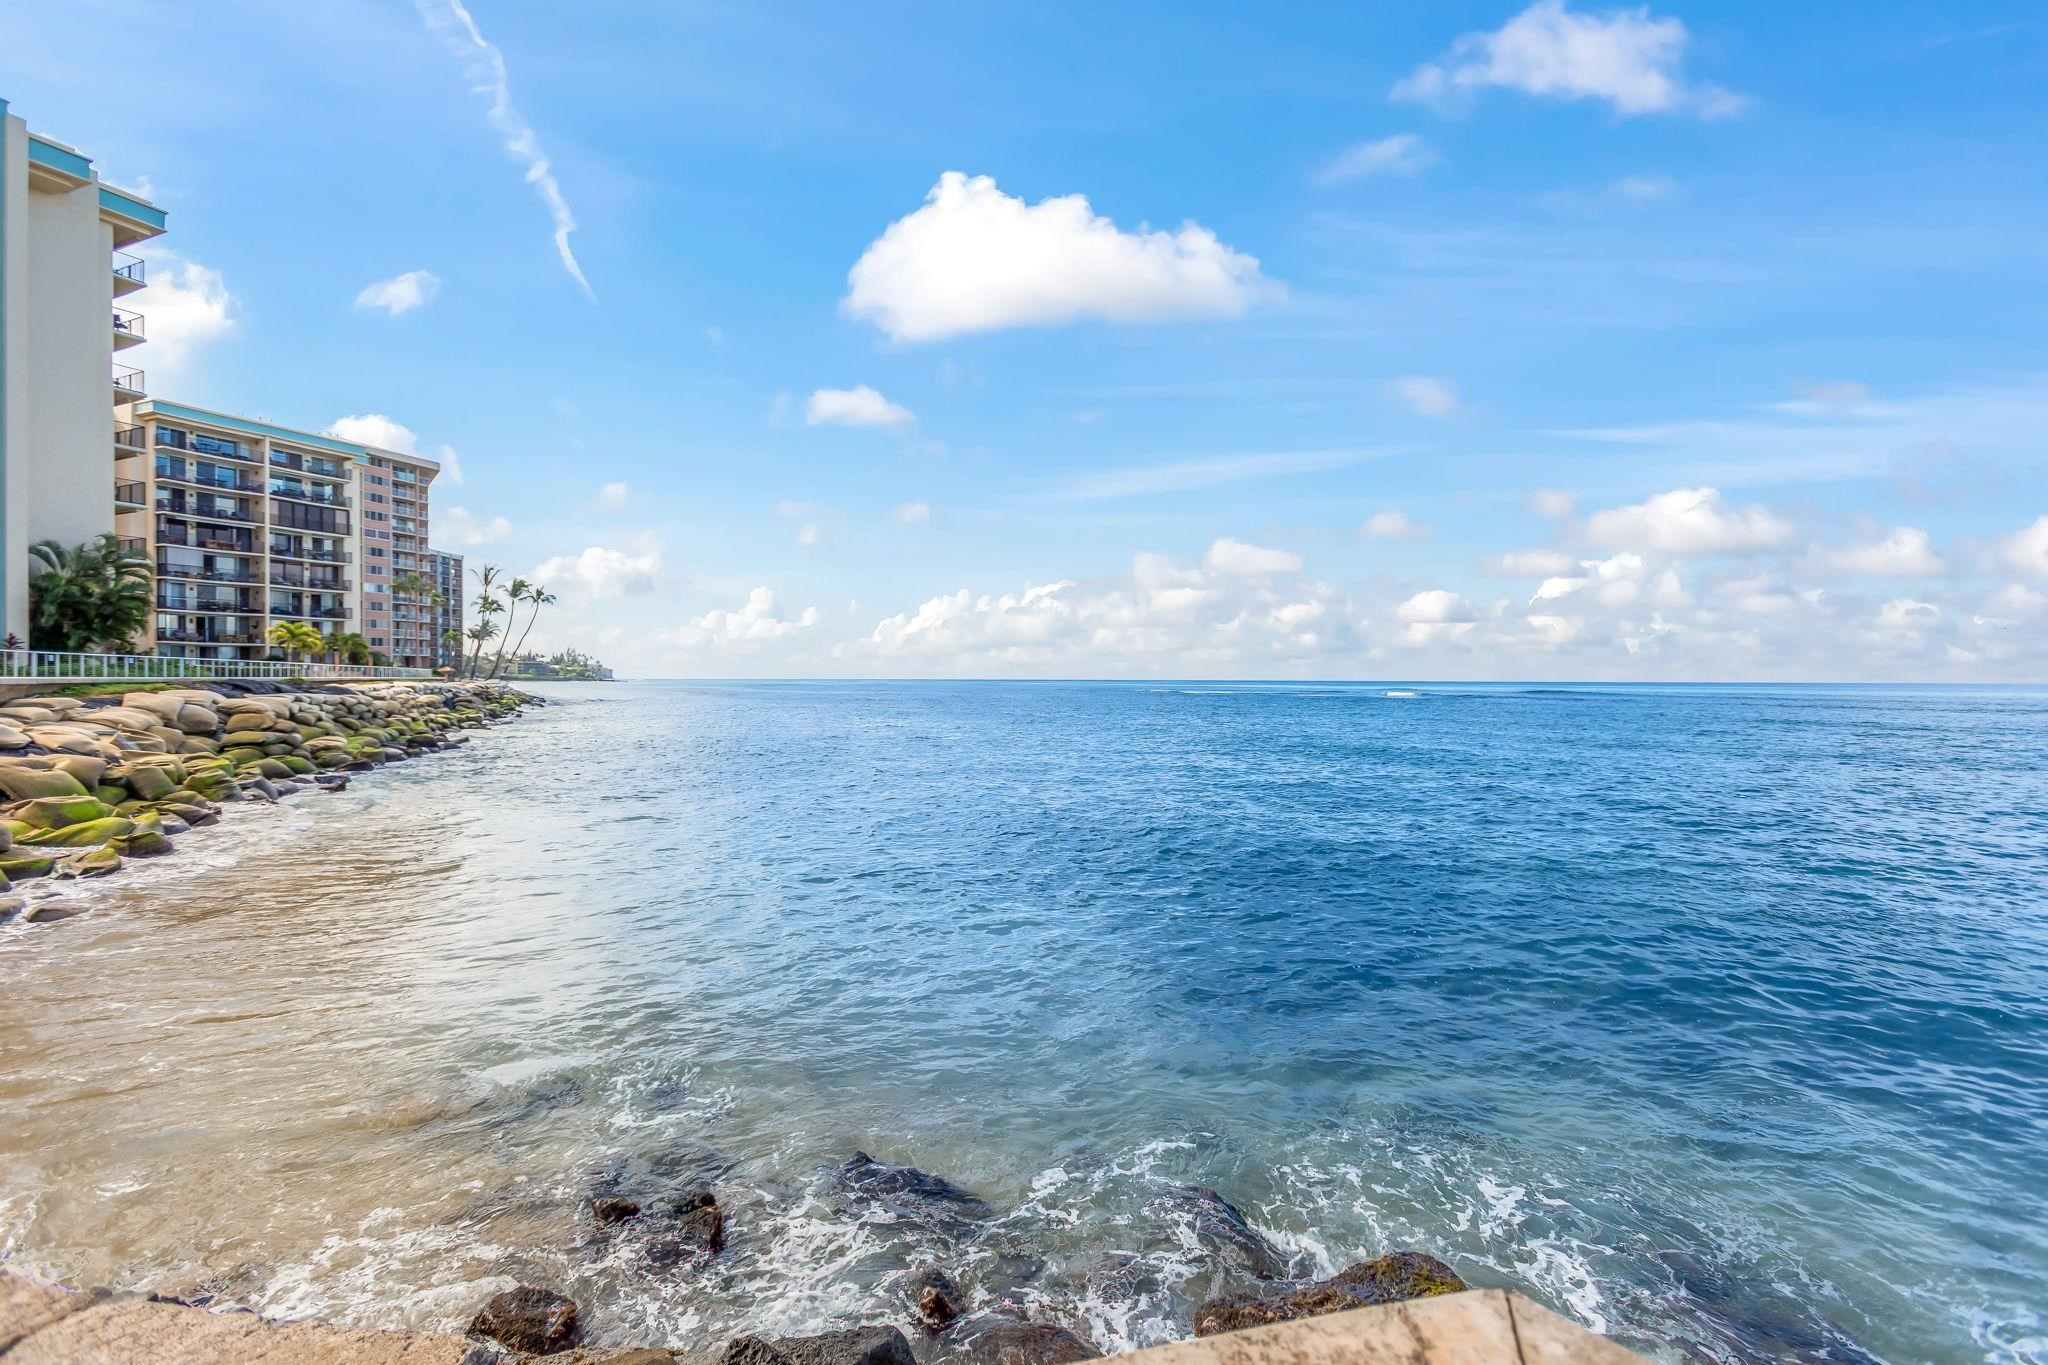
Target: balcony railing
302,464
302,493
320,556
134,545
127,327
200,637
127,385
202,537
131,439
132,494
227,606
168,568
131,269
282,577
174,507
37,663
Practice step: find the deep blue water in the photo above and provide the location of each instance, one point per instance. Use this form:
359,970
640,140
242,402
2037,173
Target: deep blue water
1716,1017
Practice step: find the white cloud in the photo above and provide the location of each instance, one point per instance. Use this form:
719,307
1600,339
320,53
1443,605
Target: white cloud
1903,553
1530,563
1624,56
401,293
487,70
613,496
185,306
974,259
911,514
602,571
1906,613
1553,502
1393,525
760,619
451,466
1434,606
1400,154
458,526
375,429
2027,550
1425,396
859,406
1688,521
1236,557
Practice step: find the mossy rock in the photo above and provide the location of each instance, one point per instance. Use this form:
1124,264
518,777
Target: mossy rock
276,767
96,863
253,739
84,834
56,812
149,781
209,786
240,754
144,843
22,783
27,865
111,794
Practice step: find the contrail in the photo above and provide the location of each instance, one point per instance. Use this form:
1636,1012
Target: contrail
487,66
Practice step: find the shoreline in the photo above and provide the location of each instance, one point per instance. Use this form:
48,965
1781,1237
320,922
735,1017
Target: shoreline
87,783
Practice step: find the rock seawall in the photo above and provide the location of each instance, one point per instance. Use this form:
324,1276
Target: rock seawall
86,783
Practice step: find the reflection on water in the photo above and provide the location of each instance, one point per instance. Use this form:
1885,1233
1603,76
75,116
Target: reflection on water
1714,1018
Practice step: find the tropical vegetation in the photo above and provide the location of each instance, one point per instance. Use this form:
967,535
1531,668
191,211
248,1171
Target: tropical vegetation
297,639
92,598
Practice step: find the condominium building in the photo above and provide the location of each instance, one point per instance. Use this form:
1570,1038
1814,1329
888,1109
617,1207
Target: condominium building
250,524
394,535
69,446
448,608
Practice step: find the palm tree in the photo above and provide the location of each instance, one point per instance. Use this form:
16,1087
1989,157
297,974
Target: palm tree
93,597
452,638
349,647
486,606
296,639
539,597
519,590
485,629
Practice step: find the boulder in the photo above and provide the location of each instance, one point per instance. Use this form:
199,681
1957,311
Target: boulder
935,1297
854,1346
989,1339
163,705
151,782
97,862
12,737
536,1321
56,812
693,1226
49,912
26,865
193,719
610,1210
84,834
89,771
23,783
1227,1235
1390,1278
913,1195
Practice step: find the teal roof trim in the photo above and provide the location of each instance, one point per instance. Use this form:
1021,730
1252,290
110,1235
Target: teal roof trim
178,412
59,158
113,201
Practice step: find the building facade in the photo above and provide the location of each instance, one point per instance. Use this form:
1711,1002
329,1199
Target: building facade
69,447
395,555
448,609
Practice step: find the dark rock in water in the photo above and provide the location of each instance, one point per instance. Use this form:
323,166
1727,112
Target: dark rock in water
1228,1235
991,1340
610,1210
543,1098
910,1193
49,912
537,1321
693,1226
1122,1278
935,1296
854,1346
668,1174
1386,1279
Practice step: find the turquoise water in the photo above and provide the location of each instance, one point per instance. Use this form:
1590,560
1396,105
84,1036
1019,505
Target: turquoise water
1714,1017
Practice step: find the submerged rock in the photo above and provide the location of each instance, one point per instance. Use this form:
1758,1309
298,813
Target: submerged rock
1390,1278
854,1346
609,1210
692,1226
935,1296
1228,1235
910,1193
537,1321
989,1339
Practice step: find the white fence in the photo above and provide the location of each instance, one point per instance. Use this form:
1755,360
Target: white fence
29,664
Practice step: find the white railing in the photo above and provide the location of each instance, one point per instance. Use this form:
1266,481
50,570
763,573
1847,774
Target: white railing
43,663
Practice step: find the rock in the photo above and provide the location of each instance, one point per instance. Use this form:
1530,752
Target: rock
23,783
11,738
97,862
55,812
1390,1278
537,1321
918,1196
49,912
26,866
1228,1236
992,1340
148,781
935,1296
194,719
854,1346
610,1210
84,834
693,1226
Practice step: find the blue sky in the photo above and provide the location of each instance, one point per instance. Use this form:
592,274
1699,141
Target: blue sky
1458,340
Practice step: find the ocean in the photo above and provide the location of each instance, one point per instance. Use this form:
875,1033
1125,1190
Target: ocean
1713,1017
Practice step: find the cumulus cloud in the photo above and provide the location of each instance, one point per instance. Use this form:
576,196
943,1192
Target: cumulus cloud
911,514
375,429
460,527
1393,525
602,571
1625,57
1236,557
401,293
1688,521
859,406
1903,553
2026,550
974,259
487,70
1426,397
1400,154
758,620
186,306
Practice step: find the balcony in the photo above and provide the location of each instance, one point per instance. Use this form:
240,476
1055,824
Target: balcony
128,387
310,613
174,471
284,576
133,545
204,538
130,497
201,637
212,606
170,568
129,273
309,465
127,329
199,443
304,493
179,507
130,441
288,551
